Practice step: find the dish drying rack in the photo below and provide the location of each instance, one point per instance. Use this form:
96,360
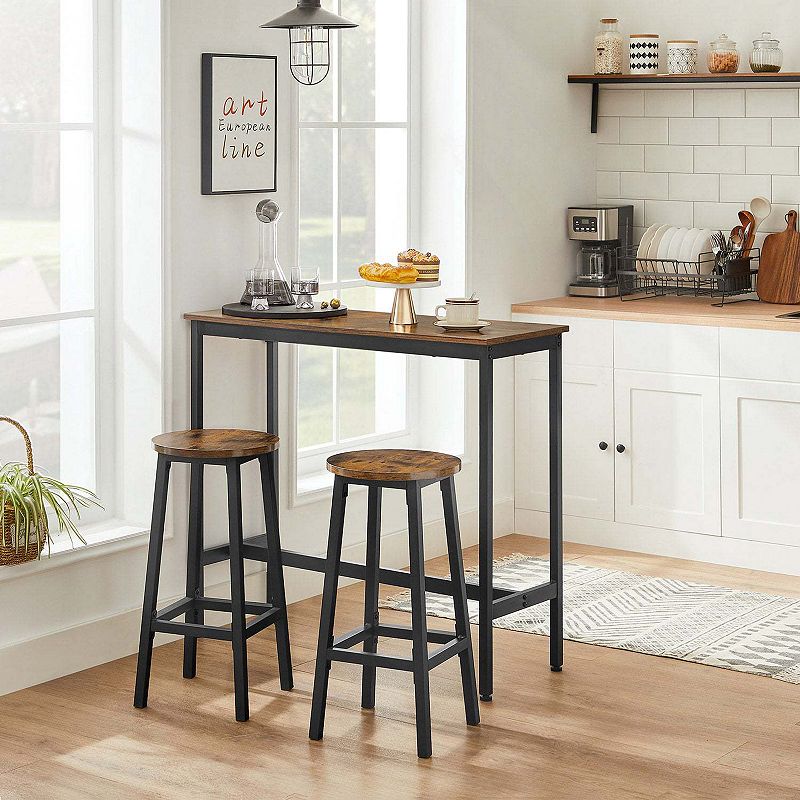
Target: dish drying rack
653,277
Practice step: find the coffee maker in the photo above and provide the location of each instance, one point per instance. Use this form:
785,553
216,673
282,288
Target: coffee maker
602,232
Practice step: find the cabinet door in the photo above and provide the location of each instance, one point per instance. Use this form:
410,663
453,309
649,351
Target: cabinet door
760,460
668,474
587,420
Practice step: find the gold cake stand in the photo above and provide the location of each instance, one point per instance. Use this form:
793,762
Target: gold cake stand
403,314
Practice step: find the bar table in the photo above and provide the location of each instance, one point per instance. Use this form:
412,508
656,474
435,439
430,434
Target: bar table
368,330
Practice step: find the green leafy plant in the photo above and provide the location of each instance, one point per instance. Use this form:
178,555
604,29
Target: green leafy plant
35,501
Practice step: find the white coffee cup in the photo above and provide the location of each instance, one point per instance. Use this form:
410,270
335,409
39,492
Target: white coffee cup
459,311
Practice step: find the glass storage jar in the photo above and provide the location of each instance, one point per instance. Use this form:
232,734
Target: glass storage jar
767,55
723,55
608,48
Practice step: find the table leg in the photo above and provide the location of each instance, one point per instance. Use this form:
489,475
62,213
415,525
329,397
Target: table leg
272,427
556,513
196,376
485,526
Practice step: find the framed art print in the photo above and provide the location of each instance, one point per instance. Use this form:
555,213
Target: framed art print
239,140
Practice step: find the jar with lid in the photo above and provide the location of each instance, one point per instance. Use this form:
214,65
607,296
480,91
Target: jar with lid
767,55
723,55
608,48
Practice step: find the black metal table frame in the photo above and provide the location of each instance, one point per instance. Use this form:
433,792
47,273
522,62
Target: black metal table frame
493,602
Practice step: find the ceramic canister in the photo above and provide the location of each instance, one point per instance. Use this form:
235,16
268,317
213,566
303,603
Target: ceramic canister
644,53
682,56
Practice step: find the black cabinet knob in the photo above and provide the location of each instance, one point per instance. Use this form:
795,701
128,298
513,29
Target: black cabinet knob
603,445
620,448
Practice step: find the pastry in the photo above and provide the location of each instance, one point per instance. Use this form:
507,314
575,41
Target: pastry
425,263
388,273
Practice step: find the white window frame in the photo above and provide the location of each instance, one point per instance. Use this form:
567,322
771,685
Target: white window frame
311,460
101,310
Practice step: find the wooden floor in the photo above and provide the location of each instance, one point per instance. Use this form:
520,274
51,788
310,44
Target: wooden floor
613,724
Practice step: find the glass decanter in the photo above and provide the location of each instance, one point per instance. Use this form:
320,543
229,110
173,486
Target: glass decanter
268,213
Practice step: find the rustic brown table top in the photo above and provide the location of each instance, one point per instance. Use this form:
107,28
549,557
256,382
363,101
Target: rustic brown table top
374,323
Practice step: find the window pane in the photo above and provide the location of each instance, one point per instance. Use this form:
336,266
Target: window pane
314,396
47,48
375,61
46,223
356,393
48,374
373,198
317,151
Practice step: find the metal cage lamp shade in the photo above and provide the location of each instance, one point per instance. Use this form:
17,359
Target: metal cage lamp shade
309,27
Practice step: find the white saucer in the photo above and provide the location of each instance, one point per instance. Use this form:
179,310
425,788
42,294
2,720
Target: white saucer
462,326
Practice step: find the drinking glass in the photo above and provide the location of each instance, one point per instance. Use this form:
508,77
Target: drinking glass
305,284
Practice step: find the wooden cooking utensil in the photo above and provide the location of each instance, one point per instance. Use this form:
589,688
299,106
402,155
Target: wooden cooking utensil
779,272
737,237
748,221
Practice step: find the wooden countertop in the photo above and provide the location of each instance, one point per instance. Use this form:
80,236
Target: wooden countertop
376,324
673,310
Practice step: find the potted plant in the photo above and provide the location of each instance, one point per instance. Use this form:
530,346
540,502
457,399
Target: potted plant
29,502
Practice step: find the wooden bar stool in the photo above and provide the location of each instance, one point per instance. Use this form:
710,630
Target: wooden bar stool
409,470
230,449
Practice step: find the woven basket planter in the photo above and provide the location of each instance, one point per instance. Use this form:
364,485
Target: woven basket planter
10,553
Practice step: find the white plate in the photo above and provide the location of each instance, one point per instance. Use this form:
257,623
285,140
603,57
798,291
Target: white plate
646,239
702,244
655,242
663,248
687,246
462,326
675,244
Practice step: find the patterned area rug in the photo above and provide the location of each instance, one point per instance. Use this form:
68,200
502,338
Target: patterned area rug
729,628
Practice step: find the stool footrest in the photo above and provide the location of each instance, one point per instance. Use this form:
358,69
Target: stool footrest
163,622
339,650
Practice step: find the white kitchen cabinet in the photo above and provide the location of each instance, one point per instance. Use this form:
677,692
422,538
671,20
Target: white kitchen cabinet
588,421
668,474
761,460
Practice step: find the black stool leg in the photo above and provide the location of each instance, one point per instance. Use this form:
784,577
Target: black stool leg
371,592
418,622
460,600
276,591
194,566
239,639
325,640
151,582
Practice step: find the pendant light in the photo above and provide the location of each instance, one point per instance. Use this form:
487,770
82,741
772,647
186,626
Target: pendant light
309,28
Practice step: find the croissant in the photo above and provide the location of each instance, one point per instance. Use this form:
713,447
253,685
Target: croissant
388,273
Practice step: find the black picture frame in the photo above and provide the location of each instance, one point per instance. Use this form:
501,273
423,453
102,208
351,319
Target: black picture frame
207,127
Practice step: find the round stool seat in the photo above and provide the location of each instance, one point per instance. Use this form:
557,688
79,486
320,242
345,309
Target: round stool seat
394,465
215,443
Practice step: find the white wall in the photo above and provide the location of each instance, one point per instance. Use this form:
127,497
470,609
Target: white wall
529,157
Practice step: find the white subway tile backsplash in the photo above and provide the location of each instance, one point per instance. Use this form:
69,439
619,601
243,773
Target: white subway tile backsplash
786,189
772,160
694,187
725,159
786,132
772,102
608,184
646,185
668,158
719,103
643,130
617,157
741,188
668,212
776,221
621,102
668,103
607,130
717,216
745,130
693,131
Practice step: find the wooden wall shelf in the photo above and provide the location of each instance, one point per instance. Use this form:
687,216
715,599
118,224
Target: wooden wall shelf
665,80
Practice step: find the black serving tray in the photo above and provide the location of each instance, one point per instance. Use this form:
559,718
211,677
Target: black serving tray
283,312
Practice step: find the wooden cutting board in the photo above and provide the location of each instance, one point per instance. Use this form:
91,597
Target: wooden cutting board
779,269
